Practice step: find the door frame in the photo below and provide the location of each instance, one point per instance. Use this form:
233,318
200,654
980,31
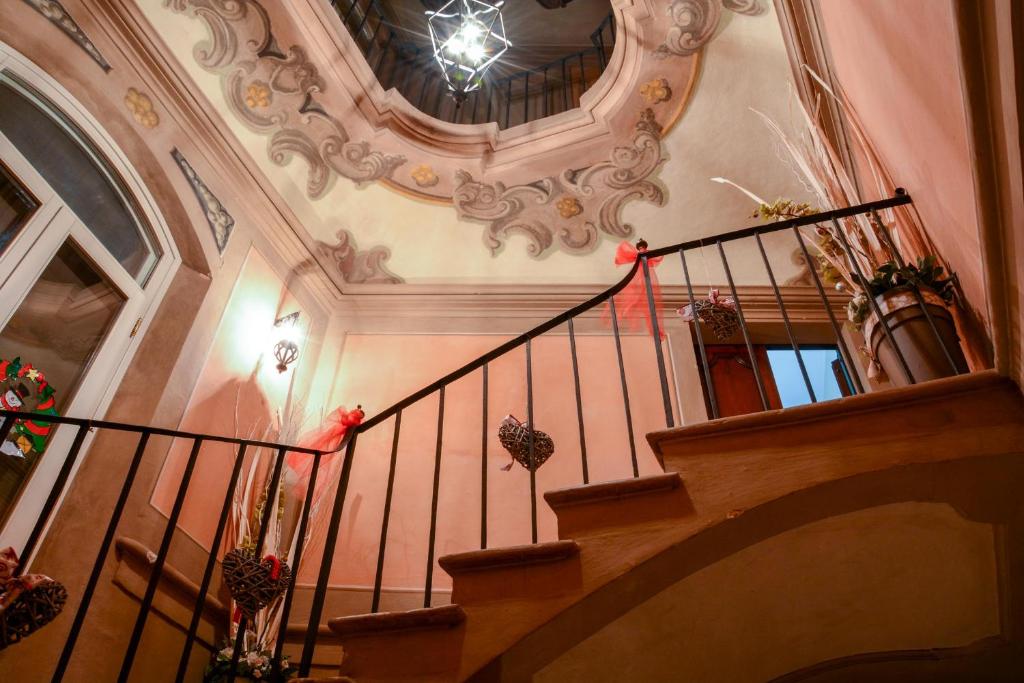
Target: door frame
104,374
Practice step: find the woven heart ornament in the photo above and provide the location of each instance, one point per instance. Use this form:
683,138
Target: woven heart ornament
515,438
27,603
253,583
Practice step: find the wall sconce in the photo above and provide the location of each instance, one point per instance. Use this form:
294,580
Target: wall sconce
286,351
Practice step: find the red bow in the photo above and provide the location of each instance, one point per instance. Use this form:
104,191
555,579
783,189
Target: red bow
631,304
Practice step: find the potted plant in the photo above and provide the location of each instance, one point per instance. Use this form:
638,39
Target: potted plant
892,288
253,665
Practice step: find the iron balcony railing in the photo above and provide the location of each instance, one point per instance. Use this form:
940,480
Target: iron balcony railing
508,100
640,268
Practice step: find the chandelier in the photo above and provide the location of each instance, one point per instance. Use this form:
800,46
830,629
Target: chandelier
467,36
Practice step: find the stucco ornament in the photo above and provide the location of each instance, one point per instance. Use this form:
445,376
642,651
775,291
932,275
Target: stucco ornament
257,95
55,12
424,176
220,221
656,91
358,267
694,22
536,209
141,108
242,50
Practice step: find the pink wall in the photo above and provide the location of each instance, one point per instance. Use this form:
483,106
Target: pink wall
899,65
239,393
377,370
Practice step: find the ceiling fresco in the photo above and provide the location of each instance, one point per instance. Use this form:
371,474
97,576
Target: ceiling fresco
385,203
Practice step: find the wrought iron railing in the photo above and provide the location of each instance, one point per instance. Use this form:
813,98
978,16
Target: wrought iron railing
641,268
507,100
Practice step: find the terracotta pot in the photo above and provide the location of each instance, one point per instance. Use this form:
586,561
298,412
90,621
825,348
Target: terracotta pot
914,336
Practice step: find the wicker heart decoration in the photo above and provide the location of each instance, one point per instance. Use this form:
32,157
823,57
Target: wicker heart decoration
28,602
515,438
253,583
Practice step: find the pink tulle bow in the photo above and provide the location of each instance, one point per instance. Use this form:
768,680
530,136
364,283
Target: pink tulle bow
327,438
631,304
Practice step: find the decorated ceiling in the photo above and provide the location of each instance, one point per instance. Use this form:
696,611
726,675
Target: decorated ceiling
386,195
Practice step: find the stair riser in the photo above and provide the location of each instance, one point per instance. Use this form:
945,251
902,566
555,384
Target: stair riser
412,655
533,581
620,515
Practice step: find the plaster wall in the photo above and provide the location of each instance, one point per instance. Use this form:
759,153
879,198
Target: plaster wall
900,67
377,370
902,576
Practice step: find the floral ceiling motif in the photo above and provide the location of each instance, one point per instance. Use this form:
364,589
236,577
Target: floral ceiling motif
276,93
693,23
575,207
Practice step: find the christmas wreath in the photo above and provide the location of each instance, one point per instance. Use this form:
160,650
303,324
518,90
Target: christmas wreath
24,389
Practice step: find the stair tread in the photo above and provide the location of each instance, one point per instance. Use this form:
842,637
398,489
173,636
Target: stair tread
509,556
445,616
593,493
901,397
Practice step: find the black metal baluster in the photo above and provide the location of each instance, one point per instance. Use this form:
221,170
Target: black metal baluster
625,389
101,556
530,440
602,59
289,596
158,563
379,577
743,327
490,98
362,23
351,9
579,402
656,334
526,98
545,96
844,350
483,467
433,503
508,103
269,509
785,319
566,86
51,500
476,103
409,68
204,586
700,338
583,77
327,561
917,293
384,51
874,304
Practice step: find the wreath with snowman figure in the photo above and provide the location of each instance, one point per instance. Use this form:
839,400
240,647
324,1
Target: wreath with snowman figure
24,389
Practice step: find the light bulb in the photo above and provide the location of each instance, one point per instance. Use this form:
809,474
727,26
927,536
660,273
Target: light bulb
455,45
476,52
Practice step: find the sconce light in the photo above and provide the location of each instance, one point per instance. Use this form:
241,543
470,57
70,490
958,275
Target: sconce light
286,351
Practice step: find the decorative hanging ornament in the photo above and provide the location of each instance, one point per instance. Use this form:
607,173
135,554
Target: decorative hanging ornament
467,37
631,304
254,584
24,389
27,602
717,312
515,438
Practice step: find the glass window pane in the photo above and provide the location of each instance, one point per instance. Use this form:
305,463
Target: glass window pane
56,330
61,153
790,381
16,206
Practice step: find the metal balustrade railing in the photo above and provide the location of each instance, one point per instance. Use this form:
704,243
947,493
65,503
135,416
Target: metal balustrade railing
641,268
508,100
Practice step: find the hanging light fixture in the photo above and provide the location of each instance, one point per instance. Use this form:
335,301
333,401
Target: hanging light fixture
286,351
467,36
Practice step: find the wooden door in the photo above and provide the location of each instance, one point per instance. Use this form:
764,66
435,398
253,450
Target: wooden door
734,382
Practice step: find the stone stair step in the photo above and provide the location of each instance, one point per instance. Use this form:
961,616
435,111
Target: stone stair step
421,644
538,570
618,505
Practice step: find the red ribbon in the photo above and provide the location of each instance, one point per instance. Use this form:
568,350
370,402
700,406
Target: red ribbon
275,566
631,303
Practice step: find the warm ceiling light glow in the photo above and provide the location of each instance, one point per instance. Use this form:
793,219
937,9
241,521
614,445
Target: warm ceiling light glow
467,36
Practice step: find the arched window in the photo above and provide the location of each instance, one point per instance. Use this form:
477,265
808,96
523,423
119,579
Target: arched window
84,257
